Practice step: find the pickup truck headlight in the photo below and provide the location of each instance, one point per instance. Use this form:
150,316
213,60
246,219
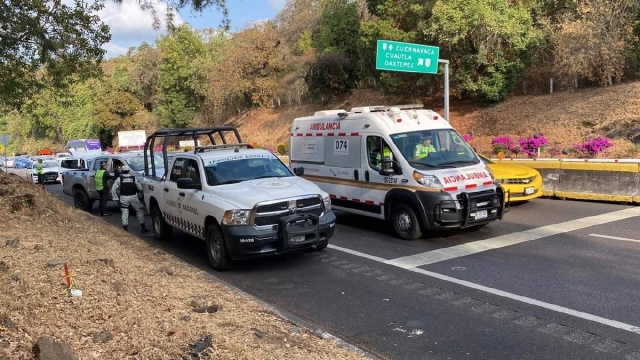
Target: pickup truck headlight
327,203
236,217
427,180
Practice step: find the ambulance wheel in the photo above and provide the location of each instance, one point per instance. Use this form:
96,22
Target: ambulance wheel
405,222
217,249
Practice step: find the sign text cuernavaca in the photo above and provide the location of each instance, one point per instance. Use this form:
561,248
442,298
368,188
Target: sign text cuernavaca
407,57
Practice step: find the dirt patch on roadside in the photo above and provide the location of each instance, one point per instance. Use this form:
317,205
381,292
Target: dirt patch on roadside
137,302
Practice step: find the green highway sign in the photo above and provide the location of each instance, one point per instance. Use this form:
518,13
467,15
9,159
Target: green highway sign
407,57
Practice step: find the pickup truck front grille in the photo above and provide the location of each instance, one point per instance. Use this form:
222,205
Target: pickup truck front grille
268,214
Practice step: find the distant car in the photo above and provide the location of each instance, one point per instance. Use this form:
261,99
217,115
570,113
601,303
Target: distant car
51,174
520,182
63,155
22,162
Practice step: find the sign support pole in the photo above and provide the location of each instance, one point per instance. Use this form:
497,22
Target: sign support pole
446,88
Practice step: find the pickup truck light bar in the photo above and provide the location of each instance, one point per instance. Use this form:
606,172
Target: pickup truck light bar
194,133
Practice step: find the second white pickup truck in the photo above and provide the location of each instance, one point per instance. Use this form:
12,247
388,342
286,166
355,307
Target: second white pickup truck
243,202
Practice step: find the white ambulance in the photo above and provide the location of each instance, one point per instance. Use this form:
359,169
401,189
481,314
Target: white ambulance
448,188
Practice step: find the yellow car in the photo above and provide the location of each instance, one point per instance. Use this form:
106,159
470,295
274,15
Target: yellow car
521,182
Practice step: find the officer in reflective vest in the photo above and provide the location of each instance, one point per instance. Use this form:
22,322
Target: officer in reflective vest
40,172
102,181
128,188
386,152
423,149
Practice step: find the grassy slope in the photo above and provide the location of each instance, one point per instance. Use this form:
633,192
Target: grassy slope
564,118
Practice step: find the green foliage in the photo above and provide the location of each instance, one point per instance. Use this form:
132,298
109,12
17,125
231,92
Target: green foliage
179,79
305,43
339,43
283,149
328,76
487,42
48,42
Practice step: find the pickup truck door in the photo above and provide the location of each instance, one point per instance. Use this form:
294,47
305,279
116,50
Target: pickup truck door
191,201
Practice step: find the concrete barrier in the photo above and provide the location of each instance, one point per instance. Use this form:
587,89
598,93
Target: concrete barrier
615,180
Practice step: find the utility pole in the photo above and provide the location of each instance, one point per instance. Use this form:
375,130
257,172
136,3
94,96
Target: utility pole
446,88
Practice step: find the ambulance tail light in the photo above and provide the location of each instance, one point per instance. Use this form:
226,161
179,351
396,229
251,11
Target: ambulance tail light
427,180
435,117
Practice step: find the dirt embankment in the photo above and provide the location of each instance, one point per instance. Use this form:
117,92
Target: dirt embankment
565,118
137,302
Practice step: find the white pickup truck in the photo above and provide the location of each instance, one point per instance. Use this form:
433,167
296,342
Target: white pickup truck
243,202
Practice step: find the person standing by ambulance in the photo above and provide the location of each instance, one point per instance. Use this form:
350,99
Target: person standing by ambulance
102,187
128,188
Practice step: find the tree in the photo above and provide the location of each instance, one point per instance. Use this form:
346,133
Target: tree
339,34
595,42
246,74
487,42
179,78
47,41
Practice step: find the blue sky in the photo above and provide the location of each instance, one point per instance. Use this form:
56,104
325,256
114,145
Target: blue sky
130,26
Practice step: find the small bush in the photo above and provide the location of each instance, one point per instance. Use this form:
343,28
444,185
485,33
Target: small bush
283,149
594,146
501,144
531,145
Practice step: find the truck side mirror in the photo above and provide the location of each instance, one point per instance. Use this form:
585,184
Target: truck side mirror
387,166
298,171
187,183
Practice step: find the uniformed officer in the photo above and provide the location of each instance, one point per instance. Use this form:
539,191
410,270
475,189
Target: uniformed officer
40,172
102,187
423,149
128,188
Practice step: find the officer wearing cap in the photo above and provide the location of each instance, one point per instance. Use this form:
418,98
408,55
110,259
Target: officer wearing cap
102,187
127,186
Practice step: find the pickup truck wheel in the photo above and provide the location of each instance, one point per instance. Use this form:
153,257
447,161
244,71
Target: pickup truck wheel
81,200
161,230
405,222
217,249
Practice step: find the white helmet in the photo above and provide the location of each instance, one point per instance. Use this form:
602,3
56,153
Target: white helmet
125,169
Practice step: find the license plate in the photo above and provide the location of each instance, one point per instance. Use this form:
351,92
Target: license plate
529,190
481,214
298,239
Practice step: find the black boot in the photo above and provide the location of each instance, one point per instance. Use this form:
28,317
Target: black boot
125,227
143,228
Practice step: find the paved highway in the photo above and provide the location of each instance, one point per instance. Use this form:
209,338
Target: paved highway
553,280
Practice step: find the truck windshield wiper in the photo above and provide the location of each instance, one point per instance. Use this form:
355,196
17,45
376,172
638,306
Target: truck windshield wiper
230,182
458,162
431,166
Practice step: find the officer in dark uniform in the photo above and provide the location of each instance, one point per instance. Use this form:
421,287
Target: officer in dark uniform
128,188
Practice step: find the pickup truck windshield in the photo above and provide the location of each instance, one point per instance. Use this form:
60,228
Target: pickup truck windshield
49,164
238,169
435,149
137,163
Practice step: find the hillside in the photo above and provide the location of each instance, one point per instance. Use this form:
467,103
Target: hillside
564,118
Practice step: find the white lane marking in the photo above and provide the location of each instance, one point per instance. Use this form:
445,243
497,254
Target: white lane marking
539,232
357,253
431,257
524,299
530,301
614,238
